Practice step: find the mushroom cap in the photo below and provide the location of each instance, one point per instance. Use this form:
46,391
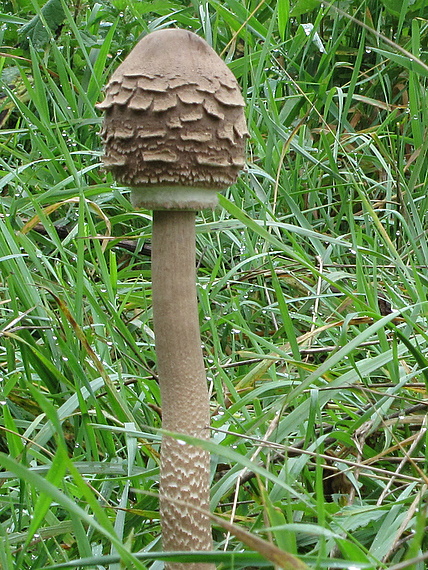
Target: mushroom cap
174,117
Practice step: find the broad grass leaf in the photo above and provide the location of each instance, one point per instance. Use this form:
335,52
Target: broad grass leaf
403,61
35,32
303,7
395,7
283,15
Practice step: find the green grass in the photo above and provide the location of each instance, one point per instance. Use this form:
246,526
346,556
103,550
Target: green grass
318,393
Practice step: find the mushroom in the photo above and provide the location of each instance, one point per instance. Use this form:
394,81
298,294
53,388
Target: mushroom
174,131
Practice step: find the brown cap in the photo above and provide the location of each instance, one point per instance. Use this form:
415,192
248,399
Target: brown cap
174,118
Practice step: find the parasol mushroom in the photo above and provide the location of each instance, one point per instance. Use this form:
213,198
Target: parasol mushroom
174,131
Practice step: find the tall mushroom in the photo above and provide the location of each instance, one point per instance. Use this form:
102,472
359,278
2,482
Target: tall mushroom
174,131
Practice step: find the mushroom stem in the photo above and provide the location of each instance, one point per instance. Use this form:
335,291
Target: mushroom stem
183,385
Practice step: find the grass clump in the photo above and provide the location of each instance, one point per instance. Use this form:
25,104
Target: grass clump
312,285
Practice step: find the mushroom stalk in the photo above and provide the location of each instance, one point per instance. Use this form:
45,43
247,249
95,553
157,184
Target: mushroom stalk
183,385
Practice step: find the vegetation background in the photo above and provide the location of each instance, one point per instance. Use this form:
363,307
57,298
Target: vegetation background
312,283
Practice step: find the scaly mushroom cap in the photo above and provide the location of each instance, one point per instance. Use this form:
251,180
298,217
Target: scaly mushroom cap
174,117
